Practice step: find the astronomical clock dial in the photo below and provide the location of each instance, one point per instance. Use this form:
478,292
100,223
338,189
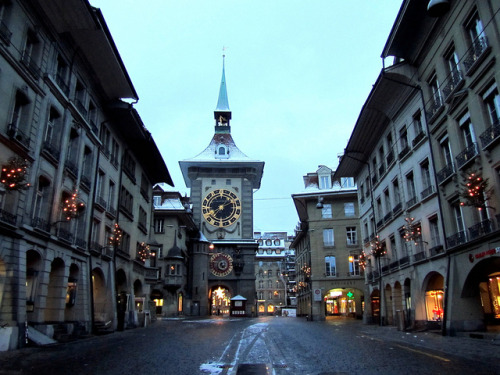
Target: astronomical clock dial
221,264
221,208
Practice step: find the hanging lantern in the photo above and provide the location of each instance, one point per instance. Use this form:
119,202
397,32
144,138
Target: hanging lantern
116,237
378,248
143,251
14,174
475,191
412,230
72,207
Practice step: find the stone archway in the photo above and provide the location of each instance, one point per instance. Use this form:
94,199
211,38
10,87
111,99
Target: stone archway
33,275
433,287
103,305
220,300
72,311
375,307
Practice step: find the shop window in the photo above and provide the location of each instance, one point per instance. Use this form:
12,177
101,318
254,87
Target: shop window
434,305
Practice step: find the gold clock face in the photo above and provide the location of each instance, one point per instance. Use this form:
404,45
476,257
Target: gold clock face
221,208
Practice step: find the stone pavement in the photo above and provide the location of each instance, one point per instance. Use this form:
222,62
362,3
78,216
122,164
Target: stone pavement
477,345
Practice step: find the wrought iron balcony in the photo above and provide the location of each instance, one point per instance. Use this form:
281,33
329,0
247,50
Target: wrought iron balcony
39,223
61,82
397,208
438,249
71,166
381,169
418,138
491,135
453,84
388,216
456,239
15,133
404,152
445,173
467,155
480,229
100,202
80,242
426,192
412,201
434,108
7,217
65,235
31,65
394,265
475,52
404,260
52,150
81,107
419,256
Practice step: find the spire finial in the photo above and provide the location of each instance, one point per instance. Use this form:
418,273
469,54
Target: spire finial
222,102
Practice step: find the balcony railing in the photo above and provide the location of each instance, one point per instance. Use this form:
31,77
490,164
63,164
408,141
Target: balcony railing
404,152
413,201
81,107
480,229
397,208
477,49
31,65
61,82
467,155
21,137
71,166
445,173
381,169
52,150
434,108
101,202
5,33
394,265
388,216
418,138
419,256
80,242
453,84
426,192
7,217
438,249
456,239
491,135
39,223
65,235
404,260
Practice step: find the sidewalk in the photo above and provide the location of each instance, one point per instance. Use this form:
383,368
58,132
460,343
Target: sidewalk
471,345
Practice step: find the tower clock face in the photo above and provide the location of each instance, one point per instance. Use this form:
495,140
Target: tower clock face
221,208
221,264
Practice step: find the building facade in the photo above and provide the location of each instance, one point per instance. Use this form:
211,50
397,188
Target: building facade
222,180
182,259
431,227
270,269
73,170
327,247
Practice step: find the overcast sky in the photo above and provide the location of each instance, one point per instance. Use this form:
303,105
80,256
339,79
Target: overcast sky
297,72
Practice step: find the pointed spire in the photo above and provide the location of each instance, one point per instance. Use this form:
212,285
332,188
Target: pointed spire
223,103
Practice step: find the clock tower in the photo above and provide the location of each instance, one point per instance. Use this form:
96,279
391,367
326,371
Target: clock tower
222,180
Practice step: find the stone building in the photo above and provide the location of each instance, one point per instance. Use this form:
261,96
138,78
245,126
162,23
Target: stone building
270,269
327,247
66,130
222,180
432,241
182,258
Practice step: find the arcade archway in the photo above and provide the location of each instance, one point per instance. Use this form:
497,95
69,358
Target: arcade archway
220,300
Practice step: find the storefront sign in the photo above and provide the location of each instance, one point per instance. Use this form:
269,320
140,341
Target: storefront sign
482,254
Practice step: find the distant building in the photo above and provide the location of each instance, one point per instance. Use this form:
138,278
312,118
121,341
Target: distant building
327,247
270,266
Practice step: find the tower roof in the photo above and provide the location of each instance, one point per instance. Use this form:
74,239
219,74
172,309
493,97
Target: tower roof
222,102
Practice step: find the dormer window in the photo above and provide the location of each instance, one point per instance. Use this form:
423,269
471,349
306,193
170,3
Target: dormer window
221,152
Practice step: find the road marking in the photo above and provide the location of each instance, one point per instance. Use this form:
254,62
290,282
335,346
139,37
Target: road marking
424,353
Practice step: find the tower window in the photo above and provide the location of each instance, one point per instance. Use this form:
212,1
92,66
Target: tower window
221,152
